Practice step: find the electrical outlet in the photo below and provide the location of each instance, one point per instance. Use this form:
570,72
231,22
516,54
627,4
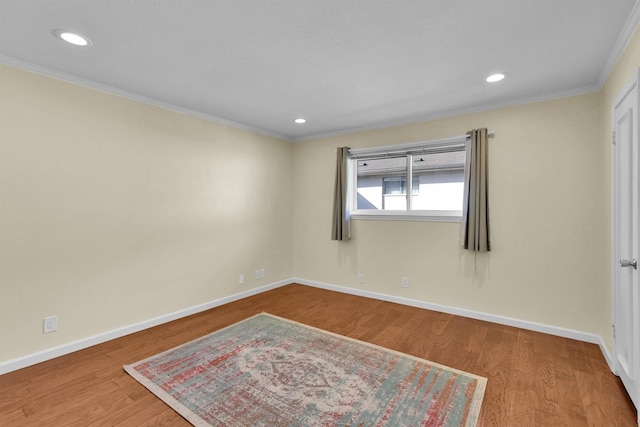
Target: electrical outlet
361,278
241,279
50,324
405,282
260,274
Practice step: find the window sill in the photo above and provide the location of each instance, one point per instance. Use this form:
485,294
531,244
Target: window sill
444,216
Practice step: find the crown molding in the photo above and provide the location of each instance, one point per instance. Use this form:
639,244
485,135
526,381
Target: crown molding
453,113
59,75
622,42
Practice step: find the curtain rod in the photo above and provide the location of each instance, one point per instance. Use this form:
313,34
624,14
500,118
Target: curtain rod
490,134
355,152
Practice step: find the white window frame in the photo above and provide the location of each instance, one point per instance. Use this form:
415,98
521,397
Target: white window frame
415,148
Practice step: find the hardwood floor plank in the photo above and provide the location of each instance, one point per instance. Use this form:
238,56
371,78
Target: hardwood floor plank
519,410
533,379
12,417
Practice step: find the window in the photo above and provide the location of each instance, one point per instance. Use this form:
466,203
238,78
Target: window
397,186
410,181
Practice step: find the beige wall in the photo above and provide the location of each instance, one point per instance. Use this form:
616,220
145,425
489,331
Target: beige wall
114,212
548,214
550,177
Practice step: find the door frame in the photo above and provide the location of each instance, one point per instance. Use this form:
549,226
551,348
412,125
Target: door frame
615,200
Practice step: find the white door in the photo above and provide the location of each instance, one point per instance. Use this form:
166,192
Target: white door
626,302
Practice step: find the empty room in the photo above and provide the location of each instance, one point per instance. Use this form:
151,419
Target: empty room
319,213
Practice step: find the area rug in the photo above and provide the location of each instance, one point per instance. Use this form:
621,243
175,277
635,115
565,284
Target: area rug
269,371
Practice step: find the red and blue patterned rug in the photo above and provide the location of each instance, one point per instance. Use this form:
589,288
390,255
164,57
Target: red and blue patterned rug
269,371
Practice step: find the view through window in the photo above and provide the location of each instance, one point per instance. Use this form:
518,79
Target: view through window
436,183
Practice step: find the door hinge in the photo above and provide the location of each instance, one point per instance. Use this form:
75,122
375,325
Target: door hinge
613,330
613,137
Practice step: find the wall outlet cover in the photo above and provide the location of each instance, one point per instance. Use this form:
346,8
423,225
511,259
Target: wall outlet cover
50,324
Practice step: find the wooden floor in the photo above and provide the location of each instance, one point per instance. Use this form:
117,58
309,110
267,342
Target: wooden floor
533,379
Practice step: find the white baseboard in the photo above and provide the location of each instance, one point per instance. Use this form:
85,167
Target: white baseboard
493,318
32,359
51,353
607,355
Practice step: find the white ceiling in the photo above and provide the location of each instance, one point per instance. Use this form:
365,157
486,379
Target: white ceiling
345,65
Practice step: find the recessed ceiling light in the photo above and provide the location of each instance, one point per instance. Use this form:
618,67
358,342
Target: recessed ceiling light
300,120
495,77
73,38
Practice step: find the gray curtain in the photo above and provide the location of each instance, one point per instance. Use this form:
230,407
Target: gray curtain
475,211
340,229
